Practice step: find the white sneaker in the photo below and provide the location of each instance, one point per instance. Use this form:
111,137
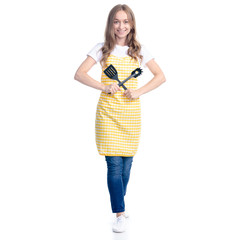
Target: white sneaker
126,215
119,224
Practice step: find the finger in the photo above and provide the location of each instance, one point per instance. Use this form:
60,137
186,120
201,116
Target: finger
115,85
115,90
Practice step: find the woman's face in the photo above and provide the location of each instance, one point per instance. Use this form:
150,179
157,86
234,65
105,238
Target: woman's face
121,25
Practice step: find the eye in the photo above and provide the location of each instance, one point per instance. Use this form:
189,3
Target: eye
115,22
126,21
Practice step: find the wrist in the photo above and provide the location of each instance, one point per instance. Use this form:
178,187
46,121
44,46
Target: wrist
103,87
139,92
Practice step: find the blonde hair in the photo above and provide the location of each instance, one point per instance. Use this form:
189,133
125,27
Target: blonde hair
110,38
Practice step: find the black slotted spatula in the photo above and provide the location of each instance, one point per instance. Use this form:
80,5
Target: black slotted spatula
112,73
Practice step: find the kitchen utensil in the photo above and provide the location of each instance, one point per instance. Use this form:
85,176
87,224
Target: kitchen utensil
112,73
137,72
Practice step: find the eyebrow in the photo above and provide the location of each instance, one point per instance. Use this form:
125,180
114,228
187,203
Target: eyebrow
120,19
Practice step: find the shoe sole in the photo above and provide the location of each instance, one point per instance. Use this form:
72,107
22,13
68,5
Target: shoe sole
119,231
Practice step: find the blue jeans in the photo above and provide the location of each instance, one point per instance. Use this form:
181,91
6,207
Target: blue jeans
117,179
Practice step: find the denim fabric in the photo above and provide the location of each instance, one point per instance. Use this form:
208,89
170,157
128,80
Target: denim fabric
117,179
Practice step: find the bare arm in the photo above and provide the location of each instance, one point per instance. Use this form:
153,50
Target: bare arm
156,81
82,76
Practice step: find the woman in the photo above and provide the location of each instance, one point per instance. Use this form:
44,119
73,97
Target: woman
118,116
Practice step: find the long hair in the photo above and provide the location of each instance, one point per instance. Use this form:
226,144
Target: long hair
110,38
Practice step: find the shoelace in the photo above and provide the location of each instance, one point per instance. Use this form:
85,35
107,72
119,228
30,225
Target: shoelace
120,218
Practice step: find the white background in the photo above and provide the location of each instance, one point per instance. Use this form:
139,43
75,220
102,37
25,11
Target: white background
185,176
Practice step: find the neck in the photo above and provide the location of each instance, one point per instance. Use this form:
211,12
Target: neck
121,41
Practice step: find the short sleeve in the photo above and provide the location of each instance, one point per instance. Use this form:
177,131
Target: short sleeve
96,52
147,56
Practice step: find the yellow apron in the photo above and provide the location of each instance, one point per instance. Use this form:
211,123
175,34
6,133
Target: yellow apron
118,119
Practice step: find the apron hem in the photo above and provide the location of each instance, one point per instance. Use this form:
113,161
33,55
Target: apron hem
115,155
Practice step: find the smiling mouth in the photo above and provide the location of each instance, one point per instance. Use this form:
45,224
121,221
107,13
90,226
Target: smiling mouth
121,31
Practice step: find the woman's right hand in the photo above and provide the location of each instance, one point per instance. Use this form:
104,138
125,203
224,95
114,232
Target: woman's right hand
112,88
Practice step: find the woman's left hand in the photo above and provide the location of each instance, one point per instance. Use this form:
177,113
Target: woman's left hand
132,94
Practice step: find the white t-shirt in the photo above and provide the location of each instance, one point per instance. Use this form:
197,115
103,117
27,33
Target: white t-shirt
119,51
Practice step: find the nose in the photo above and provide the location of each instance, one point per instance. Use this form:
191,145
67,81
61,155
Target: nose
121,25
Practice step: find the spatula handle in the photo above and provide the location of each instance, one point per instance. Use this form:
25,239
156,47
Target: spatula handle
121,84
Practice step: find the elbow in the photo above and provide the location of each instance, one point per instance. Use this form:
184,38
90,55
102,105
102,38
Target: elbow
162,79
77,76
